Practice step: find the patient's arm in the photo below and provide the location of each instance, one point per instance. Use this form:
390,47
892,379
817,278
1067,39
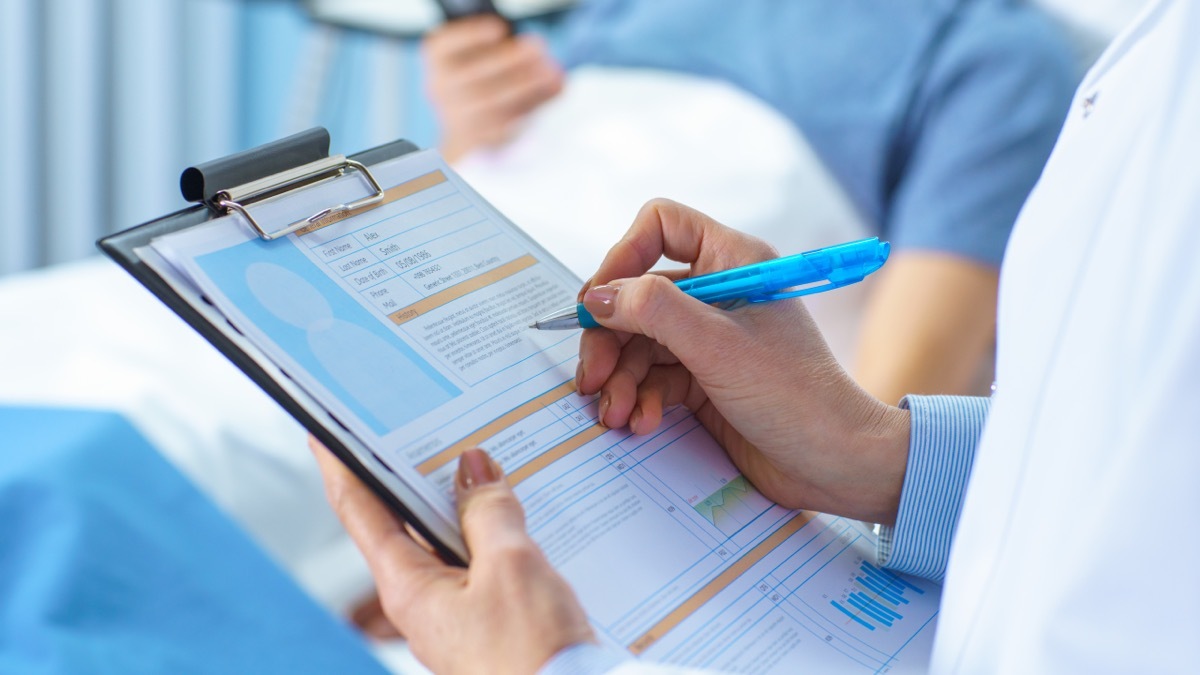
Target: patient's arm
983,125
483,81
929,326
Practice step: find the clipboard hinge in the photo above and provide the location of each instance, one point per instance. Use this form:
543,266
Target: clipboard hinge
272,169
236,199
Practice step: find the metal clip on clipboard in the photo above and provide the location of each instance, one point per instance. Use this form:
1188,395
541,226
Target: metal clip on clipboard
273,169
201,184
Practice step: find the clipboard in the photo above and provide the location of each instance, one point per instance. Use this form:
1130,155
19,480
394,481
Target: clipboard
590,472
228,185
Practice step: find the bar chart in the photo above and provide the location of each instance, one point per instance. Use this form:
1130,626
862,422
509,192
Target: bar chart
877,598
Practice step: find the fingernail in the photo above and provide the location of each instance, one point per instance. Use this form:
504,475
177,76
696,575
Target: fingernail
579,377
605,401
587,284
601,300
634,418
475,468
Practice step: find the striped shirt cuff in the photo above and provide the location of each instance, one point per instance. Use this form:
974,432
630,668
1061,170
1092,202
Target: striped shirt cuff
945,433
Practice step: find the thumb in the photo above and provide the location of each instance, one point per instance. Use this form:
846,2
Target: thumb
652,305
491,516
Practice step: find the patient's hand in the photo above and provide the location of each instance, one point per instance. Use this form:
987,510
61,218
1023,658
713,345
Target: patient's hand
484,81
509,612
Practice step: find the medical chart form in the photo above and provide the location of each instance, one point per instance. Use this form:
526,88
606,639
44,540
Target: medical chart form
408,323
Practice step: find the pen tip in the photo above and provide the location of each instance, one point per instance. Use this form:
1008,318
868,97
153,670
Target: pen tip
533,325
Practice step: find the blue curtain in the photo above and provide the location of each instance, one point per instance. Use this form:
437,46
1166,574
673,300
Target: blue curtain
104,102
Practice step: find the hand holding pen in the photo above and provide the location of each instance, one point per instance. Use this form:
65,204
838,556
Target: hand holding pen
761,379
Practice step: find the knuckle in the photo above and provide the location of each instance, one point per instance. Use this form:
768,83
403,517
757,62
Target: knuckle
661,204
486,500
669,211
740,248
652,212
646,297
519,559
764,250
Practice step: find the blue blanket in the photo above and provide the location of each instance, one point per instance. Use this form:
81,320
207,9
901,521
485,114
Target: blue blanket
112,562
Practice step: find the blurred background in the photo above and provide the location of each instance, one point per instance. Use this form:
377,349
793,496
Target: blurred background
106,101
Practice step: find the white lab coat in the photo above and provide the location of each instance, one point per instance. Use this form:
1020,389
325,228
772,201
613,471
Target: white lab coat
1075,548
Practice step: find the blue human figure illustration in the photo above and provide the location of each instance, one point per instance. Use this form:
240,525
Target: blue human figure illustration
383,379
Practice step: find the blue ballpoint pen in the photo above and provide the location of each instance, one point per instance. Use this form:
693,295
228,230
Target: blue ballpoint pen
786,277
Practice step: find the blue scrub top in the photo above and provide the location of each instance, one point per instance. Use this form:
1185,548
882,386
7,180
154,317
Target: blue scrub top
935,116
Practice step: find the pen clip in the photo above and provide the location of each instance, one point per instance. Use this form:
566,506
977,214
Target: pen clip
825,285
846,264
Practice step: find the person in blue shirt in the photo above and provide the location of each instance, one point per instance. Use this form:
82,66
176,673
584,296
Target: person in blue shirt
935,117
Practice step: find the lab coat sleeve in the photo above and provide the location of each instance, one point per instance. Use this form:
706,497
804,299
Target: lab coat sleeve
945,434
590,659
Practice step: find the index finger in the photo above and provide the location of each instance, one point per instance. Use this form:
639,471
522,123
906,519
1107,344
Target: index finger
666,228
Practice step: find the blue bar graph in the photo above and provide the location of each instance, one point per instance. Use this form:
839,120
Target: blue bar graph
852,615
875,597
871,607
889,577
887,592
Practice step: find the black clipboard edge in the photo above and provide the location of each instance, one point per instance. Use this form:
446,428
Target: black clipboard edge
121,248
